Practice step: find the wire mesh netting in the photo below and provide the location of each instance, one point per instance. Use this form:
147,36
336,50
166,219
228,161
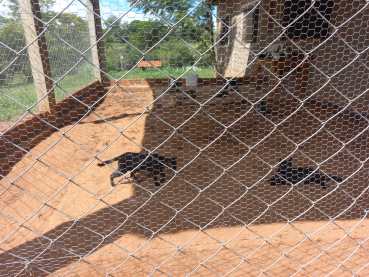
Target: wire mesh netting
64,47
178,138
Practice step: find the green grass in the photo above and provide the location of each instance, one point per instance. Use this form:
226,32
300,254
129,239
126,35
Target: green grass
151,73
10,110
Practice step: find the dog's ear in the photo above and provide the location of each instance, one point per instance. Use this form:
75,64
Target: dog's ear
175,158
280,159
290,160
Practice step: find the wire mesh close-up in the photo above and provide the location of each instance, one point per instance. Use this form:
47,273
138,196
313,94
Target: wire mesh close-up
184,138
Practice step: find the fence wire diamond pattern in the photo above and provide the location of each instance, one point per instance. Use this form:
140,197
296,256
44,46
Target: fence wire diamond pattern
179,138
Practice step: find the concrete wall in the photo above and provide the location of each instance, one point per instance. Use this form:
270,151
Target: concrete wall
232,56
235,55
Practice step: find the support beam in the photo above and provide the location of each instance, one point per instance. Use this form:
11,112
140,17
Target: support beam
38,55
98,53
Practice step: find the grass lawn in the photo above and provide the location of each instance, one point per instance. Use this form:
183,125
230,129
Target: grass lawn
151,73
26,95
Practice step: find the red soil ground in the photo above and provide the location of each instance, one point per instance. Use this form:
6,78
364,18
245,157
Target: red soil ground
62,214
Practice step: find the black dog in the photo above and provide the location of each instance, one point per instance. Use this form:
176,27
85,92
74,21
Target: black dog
173,85
135,162
224,93
190,93
287,175
231,85
261,108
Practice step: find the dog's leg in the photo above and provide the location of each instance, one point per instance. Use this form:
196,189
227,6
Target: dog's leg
133,175
162,174
155,177
114,175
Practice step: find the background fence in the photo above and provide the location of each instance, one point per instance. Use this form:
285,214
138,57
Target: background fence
265,156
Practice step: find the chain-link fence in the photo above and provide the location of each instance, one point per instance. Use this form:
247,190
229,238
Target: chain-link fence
64,51
177,138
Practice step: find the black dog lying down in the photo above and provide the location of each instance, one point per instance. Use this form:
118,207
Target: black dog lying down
287,175
135,162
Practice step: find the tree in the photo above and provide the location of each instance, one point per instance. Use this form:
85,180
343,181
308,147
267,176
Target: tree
147,34
45,7
11,34
197,26
120,31
62,56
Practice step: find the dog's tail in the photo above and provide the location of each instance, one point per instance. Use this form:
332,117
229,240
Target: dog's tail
109,161
336,178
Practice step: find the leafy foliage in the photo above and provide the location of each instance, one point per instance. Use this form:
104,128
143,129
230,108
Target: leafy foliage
194,21
126,43
62,57
11,34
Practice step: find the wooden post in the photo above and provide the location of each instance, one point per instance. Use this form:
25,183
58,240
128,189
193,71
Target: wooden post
95,29
38,55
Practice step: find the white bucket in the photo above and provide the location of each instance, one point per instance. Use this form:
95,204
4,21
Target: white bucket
192,80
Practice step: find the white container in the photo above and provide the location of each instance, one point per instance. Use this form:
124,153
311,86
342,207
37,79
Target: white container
192,80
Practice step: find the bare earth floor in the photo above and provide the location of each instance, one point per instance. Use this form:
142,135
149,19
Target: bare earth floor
217,216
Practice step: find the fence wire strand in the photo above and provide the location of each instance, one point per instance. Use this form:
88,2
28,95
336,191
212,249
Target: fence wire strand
266,152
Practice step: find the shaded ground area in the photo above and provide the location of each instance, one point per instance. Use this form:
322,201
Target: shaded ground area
216,215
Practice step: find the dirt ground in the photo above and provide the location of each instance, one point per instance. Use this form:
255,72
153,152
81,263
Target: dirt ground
216,216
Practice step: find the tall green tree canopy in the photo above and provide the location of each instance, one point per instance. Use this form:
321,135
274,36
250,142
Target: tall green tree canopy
62,29
196,21
45,7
